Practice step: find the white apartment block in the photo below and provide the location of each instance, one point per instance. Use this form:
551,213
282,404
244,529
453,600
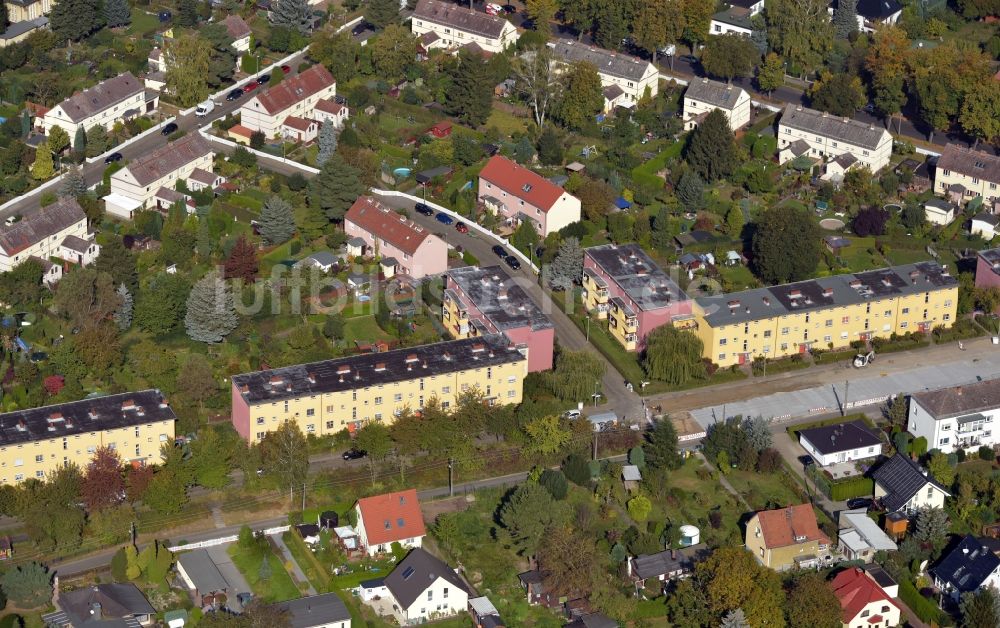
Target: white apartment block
636,77
296,96
804,131
960,417
963,174
58,230
119,98
447,25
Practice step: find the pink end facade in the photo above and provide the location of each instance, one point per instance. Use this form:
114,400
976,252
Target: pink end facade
430,258
986,276
240,414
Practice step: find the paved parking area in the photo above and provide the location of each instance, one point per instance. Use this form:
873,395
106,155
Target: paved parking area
237,582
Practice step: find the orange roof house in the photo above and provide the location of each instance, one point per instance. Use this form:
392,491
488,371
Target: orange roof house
787,538
390,518
862,601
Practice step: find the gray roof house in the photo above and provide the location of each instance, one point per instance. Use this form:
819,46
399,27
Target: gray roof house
845,130
715,93
423,577
104,95
460,17
40,224
968,567
666,565
317,611
860,537
102,606
607,62
200,573
903,485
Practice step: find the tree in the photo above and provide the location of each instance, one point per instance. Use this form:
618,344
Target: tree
845,19
222,57
886,62
211,312
711,150
799,30
103,481
72,184
732,578
728,56
43,168
382,13
547,434
811,602
538,80
373,439
58,139
276,221
196,380
735,619
337,51
393,51
524,238
242,261
541,12
734,220
470,95
28,585
76,19
80,140
4,17
941,469
758,432
673,355
575,375
870,221
690,190
841,94
550,148
525,514
161,305
97,140
931,527
211,454
187,60
285,455
577,470
913,216
554,482
117,13
980,609
785,245
657,24
895,410
166,492
582,96
771,73
660,449
292,14
980,114
335,188
567,265
187,13
327,141
639,507
86,297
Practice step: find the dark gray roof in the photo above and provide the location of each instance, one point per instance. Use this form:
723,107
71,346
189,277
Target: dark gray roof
371,369
415,573
169,158
721,95
829,439
460,18
877,10
315,610
87,415
901,478
606,61
668,561
967,566
612,92
941,204
503,302
959,400
104,95
76,243
834,127
16,29
816,294
637,275
593,620
203,571
117,602
734,16
971,163
40,224
989,219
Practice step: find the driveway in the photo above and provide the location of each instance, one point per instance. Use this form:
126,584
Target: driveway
237,583
790,450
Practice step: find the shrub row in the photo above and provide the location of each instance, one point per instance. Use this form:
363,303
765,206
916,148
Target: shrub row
924,608
847,488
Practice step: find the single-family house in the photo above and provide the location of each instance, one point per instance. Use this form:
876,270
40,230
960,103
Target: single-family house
964,173
967,568
873,13
326,610
902,485
424,588
664,566
299,129
860,537
386,234
840,442
450,26
201,575
95,606
389,518
636,77
25,10
827,137
939,211
333,111
135,186
787,538
733,19
295,96
863,602
484,613
16,32
704,95
56,230
958,417
519,194
239,30
984,225
118,98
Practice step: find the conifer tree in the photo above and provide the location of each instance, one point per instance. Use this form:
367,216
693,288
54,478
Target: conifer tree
117,13
327,141
242,261
276,223
335,188
73,184
211,311
294,14
43,169
123,315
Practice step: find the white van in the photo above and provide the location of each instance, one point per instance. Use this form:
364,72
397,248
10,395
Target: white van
204,108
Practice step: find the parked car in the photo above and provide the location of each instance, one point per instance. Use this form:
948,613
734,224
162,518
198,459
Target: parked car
511,261
204,108
444,218
571,414
859,502
233,95
423,209
249,87
263,78
499,251
461,227
354,454
113,157
286,68
806,460
168,128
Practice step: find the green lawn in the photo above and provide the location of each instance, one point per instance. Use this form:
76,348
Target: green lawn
365,329
763,490
694,494
507,123
278,588
143,23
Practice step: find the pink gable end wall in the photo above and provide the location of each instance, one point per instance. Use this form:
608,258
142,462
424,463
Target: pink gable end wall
240,414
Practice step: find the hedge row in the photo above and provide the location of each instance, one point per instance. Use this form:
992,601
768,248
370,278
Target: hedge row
923,607
848,488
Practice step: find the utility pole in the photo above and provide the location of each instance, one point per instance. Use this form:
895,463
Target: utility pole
303,497
451,478
595,444
843,406
133,533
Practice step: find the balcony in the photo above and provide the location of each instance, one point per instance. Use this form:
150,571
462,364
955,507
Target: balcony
631,337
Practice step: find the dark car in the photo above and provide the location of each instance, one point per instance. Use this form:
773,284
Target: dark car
444,218
511,261
169,128
859,502
499,251
423,209
263,78
461,227
165,16
113,157
806,460
286,69
361,27
233,95
509,9
354,454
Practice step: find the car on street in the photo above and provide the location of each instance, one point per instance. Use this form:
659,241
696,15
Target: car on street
113,157
444,218
511,261
423,209
499,251
461,227
263,78
354,454
168,128
859,502
286,69
249,87
689,59
233,95
204,108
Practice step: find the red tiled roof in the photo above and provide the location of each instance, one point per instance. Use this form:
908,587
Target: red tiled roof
392,517
236,26
329,106
521,183
294,89
855,589
242,131
782,527
383,223
297,123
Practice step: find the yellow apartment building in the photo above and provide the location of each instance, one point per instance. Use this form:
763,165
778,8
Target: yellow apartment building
326,397
36,442
830,312
595,294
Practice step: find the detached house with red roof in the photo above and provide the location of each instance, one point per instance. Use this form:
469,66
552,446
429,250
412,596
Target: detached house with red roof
403,246
787,538
518,195
288,103
389,518
239,30
863,602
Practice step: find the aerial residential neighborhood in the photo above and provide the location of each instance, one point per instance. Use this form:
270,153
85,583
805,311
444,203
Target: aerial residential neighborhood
369,313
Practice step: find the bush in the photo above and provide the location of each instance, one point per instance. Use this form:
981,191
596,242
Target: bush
470,259
576,470
924,608
119,564
554,482
987,453
297,182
